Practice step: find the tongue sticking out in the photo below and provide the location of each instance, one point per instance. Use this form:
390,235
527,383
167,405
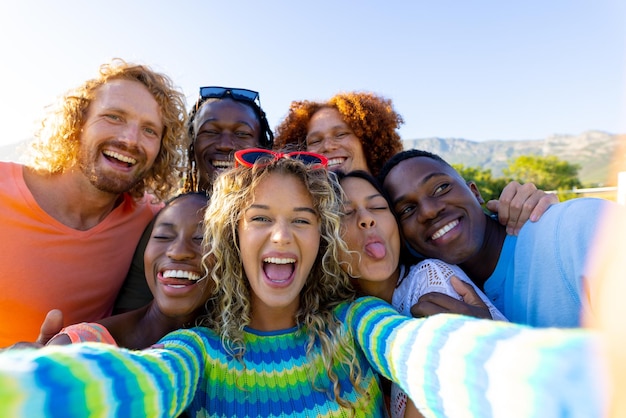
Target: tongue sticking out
278,272
375,250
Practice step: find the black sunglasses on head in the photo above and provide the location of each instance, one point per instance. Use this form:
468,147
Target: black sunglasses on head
222,92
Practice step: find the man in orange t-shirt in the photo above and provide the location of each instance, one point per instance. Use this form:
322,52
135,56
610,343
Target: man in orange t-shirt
73,215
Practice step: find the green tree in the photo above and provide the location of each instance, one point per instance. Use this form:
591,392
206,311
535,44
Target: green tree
489,187
548,173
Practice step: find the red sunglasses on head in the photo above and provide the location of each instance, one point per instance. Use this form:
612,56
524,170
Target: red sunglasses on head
248,157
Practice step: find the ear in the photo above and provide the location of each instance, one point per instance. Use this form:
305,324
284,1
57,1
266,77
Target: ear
474,189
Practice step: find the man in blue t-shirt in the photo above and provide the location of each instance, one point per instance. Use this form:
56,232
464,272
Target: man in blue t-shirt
535,278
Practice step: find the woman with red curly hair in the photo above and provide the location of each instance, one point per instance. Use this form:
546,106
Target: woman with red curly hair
355,131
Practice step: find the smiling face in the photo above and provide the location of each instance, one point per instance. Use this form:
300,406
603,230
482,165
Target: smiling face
279,240
222,126
370,229
329,135
440,215
173,255
121,136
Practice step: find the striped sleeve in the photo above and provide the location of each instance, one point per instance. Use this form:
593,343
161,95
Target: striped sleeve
457,366
99,380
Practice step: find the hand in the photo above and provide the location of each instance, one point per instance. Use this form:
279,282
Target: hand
518,203
434,303
51,325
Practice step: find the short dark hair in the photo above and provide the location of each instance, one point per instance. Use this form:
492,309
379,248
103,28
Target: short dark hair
405,155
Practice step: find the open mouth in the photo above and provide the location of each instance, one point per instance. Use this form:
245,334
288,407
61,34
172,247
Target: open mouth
446,228
336,161
119,158
180,278
222,164
279,270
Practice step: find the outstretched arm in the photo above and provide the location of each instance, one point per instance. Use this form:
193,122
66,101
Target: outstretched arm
76,380
519,203
452,365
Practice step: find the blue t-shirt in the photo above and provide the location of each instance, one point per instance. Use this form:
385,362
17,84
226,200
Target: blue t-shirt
539,278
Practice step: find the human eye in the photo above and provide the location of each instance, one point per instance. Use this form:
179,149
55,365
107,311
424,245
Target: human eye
404,211
312,141
209,133
441,188
243,134
259,219
162,236
113,117
379,205
348,210
342,134
151,132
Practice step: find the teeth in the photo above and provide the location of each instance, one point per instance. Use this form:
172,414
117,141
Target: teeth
275,260
119,157
222,163
335,161
445,229
181,274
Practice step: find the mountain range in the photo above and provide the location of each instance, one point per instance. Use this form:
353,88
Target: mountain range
599,154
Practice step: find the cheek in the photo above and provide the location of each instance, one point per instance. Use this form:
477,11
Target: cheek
153,150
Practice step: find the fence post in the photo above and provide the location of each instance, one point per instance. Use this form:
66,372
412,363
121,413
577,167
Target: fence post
621,188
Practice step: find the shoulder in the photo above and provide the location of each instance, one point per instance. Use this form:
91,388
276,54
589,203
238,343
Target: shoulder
10,169
147,203
573,215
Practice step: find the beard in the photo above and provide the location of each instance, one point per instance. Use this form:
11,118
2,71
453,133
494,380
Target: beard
107,179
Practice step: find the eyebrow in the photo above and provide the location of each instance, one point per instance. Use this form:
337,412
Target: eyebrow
368,198
121,111
212,120
164,225
340,126
296,209
424,181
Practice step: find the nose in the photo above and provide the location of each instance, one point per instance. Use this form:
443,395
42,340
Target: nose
181,249
328,144
281,233
365,219
429,209
130,134
226,141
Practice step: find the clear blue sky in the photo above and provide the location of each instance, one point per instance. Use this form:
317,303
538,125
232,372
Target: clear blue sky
474,69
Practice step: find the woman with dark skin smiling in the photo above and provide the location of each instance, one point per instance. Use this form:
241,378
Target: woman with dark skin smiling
174,276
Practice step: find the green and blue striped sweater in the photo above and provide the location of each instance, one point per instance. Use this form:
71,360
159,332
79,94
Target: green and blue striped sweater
451,366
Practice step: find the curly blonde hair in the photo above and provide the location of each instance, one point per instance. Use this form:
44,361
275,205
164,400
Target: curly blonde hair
372,119
57,145
326,287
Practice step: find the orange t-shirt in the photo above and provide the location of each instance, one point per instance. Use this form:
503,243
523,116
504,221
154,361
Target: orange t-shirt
47,265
